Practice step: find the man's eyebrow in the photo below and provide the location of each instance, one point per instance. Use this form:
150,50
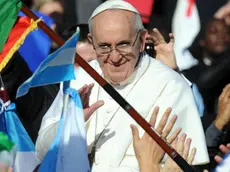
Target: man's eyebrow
124,42
103,44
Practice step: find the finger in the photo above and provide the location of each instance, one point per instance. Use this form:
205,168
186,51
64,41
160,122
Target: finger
3,167
172,40
174,135
205,170
174,143
169,127
159,36
95,106
88,93
224,149
228,146
153,118
180,145
224,91
218,159
192,156
135,133
227,94
91,86
163,120
81,90
10,169
152,39
85,97
187,148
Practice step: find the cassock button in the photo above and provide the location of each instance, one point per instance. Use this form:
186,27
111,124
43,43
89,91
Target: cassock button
108,111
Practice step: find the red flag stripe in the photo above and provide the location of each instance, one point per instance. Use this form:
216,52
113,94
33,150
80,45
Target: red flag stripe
19,28
191,4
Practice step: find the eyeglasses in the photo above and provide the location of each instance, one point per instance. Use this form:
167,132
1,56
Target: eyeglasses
123,48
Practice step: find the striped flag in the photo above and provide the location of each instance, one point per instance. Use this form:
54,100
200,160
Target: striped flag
8,15
26,159
57,67
185,27
68,151
22,27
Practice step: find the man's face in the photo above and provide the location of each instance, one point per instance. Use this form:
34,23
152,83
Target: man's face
217,38
116,29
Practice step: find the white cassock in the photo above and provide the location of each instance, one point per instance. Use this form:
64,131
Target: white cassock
152,84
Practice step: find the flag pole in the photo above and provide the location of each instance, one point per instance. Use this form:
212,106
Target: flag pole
3,92
116,96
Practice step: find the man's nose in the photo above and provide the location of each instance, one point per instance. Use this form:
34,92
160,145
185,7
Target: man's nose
115,56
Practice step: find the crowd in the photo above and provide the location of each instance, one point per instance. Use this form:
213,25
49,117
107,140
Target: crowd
135,53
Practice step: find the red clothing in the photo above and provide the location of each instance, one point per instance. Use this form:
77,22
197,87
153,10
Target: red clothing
144,7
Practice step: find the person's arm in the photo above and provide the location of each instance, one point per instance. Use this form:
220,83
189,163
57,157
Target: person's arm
212,135
215,130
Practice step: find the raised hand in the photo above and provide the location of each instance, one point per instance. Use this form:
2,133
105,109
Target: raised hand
224,13
224,149
147,151
164,51
182,147
223,117
84,93
4,168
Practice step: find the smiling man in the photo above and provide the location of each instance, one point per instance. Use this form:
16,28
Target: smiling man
118,37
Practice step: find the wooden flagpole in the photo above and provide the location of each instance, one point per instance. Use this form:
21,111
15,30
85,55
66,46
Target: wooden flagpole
115,95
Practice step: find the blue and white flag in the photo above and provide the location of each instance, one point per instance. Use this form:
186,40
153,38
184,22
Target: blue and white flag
224,166
26,159
57,67
68,152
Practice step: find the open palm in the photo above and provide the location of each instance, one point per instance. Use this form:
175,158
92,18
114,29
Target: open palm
85,93
164,51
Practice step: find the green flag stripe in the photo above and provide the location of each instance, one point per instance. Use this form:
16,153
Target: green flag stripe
9,10
5,143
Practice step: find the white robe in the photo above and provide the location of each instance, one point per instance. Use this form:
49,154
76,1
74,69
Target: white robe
152,84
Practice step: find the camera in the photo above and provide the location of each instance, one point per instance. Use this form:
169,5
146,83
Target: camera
149,49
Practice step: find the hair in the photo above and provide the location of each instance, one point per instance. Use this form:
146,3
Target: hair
195,49
138,23
84,30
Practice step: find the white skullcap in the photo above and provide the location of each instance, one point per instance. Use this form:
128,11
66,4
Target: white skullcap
114,4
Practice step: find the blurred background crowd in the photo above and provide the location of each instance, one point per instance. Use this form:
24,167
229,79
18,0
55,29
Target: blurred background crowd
202,47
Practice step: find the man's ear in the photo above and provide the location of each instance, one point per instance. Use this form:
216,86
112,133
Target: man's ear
144,34
90,38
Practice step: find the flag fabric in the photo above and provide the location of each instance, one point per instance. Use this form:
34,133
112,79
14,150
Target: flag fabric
26,159
8,150
9,10
68,151
23,26
38,42
185,27
57,67
224,166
